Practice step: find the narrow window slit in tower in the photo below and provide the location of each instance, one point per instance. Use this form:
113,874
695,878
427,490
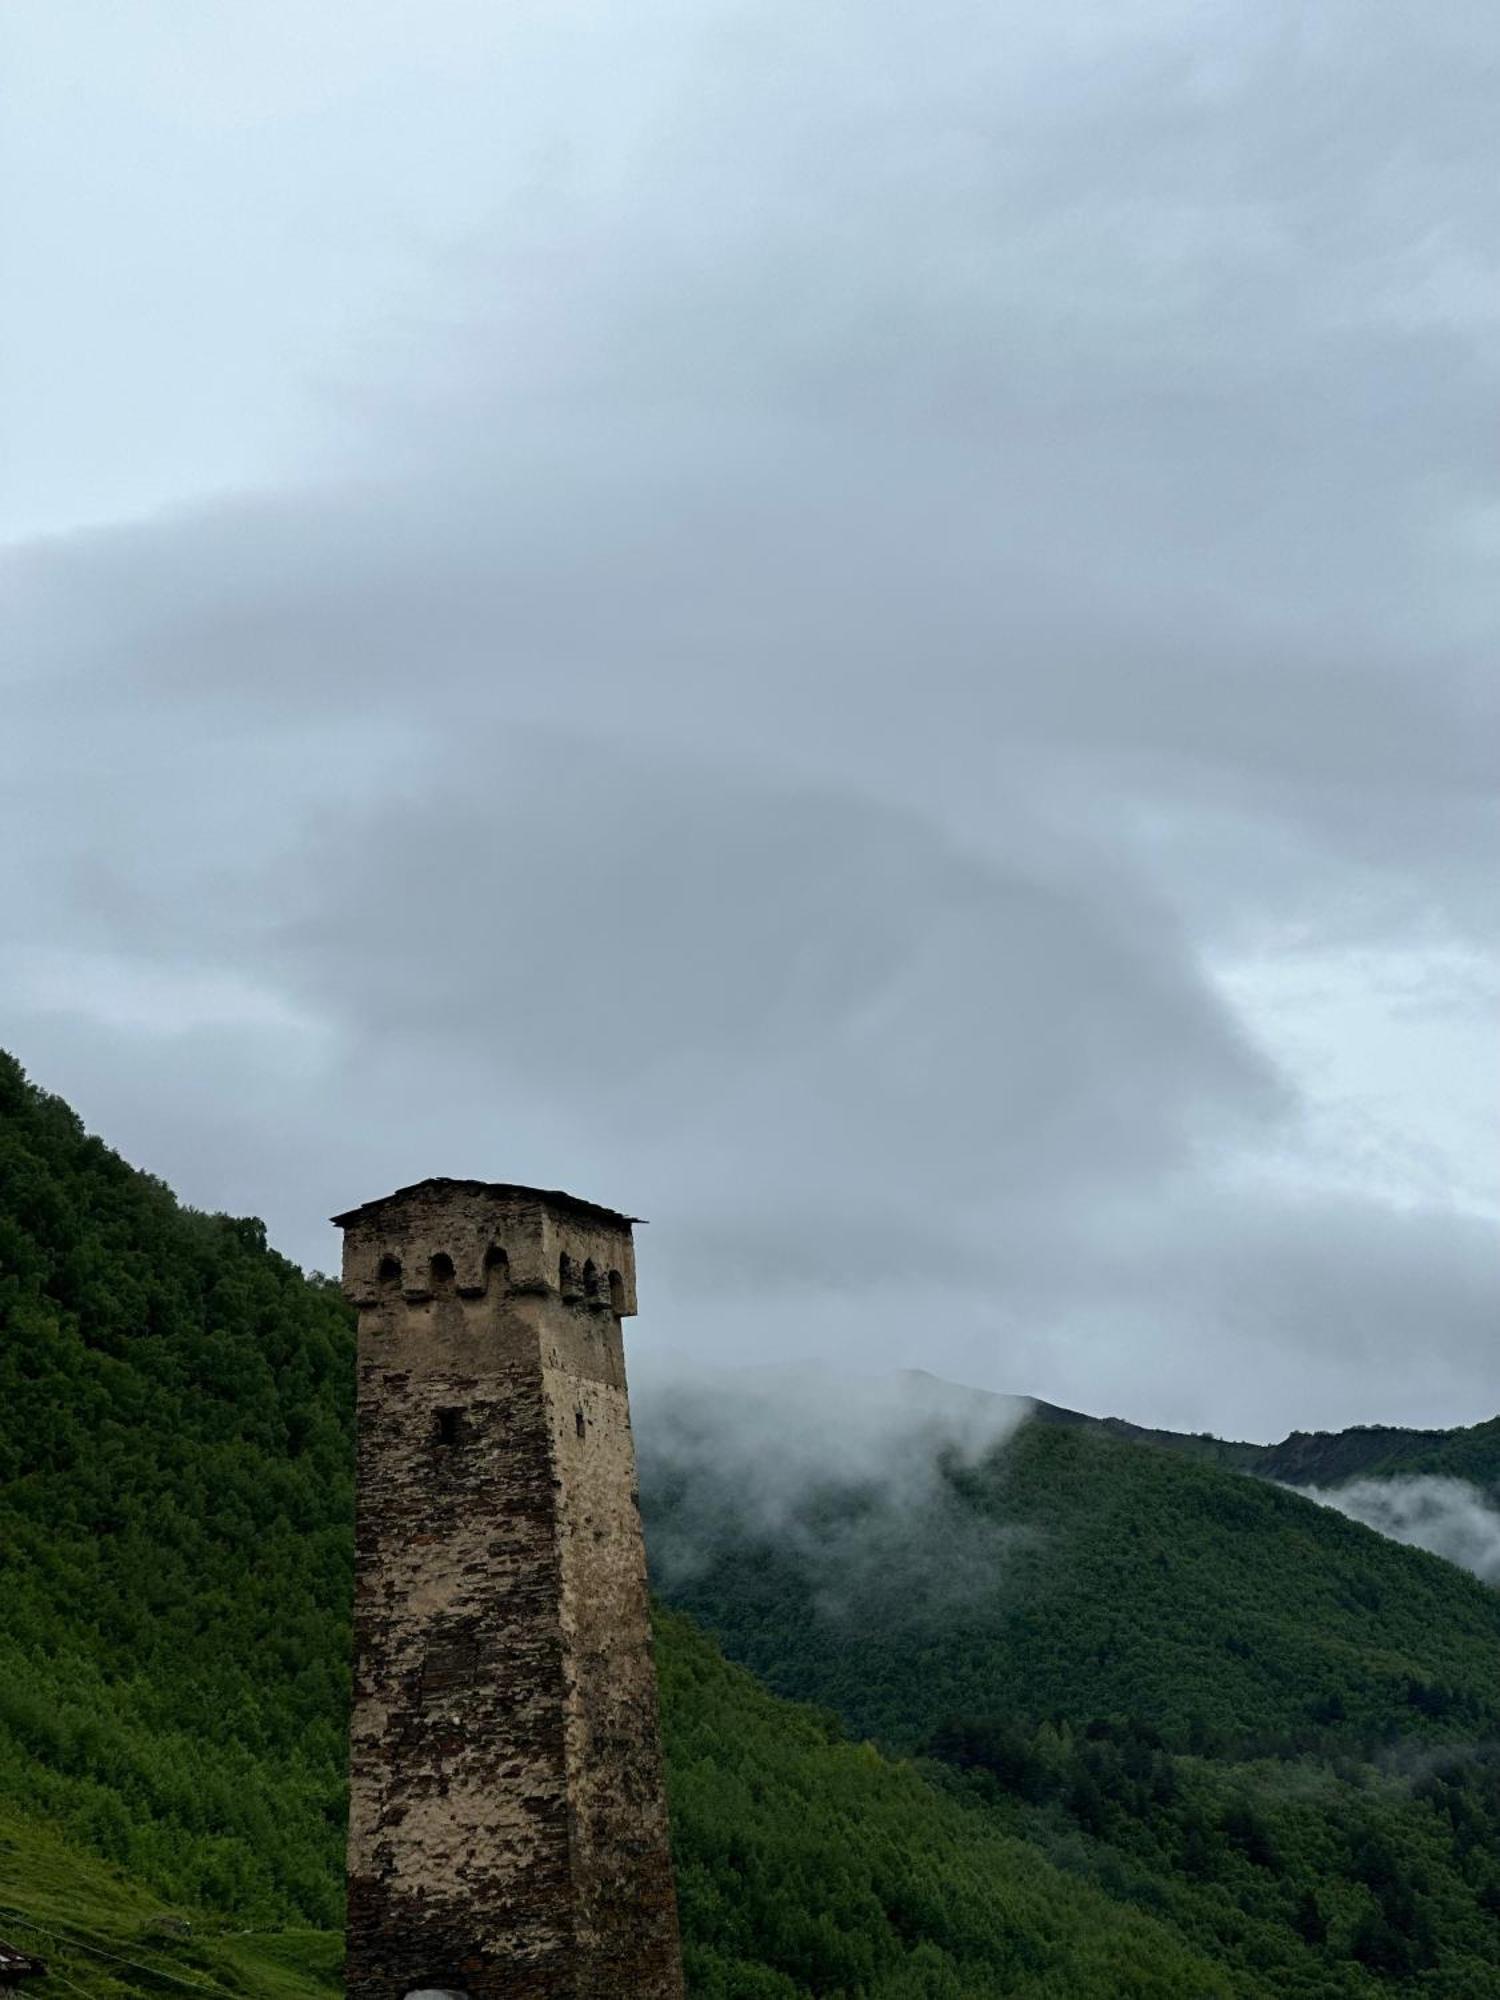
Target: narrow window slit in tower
448,1423
581,1423
389,1272
590,1279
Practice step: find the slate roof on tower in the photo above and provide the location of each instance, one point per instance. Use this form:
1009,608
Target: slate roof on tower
502,1190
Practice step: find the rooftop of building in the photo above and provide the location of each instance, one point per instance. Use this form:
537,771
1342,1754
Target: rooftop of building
18,1964
507,1191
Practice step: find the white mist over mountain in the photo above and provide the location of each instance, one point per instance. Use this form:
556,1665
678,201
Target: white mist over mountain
1449,1517
848,1472
852,1474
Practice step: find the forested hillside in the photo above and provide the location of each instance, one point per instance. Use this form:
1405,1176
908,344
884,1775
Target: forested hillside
1378,1451
1224,1702
1174,1732
1211,1605
177,1488
1320,1458
175,1520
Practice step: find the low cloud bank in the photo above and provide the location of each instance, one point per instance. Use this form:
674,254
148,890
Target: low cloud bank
845,1475
1448,1517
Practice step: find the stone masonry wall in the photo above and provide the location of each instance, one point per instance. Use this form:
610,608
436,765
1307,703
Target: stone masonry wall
615,1779
507,1819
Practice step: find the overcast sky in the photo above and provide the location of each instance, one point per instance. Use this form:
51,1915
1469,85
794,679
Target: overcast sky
866,630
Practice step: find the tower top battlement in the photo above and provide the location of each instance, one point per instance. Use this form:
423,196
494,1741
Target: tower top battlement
468,1236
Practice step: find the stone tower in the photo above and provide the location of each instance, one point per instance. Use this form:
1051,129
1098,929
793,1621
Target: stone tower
507,1822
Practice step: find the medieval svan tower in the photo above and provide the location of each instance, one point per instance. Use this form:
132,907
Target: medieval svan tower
507,1821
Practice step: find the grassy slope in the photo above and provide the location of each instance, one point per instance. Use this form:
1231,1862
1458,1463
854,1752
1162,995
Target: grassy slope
107,1935
175,1498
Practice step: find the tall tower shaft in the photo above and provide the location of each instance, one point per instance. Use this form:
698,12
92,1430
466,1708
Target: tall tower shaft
507,1818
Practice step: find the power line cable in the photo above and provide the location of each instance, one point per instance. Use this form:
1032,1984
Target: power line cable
53,1973
151,1971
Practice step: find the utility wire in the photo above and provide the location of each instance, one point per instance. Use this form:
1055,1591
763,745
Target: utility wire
53,1973
151,1971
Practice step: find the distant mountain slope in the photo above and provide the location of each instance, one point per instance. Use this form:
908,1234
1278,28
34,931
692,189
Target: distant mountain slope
1074,1572
811,1865
1320,1458
1332,1458
1224,1702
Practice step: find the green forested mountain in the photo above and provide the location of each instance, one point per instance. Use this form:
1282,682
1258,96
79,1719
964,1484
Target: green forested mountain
1321,1458
1227,1704
175,1495
1122,1578
1167,1731
1380,1451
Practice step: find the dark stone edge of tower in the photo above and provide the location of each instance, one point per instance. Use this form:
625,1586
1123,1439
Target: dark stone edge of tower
508,1828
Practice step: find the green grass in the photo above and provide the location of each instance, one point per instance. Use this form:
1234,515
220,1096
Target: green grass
105,1935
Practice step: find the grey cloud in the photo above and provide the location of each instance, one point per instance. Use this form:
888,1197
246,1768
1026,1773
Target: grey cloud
687,914
868,637
863,421
1368,1307
902,538
801,999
